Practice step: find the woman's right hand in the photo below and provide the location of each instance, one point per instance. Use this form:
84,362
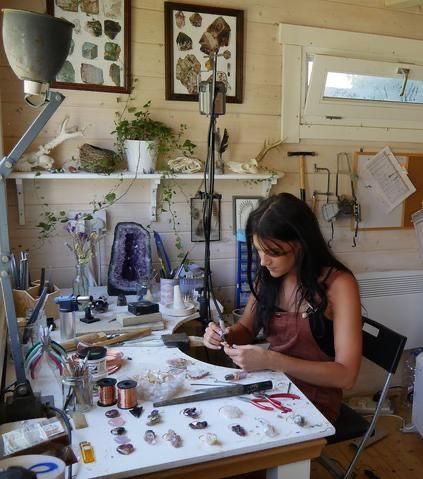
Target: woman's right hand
213,336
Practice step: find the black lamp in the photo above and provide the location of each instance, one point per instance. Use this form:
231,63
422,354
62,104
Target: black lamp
36,46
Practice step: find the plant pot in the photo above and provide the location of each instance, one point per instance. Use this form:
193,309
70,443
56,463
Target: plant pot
141,156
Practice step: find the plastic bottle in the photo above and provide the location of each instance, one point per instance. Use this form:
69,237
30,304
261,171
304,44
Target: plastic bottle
409,375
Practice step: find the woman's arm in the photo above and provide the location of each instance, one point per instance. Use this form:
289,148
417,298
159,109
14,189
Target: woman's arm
240,333
345,309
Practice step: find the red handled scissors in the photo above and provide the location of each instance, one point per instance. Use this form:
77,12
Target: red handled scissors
268,402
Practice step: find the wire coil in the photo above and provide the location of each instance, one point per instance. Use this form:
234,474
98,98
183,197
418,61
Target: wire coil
127,394
106,392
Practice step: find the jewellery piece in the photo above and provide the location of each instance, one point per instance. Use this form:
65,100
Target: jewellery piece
118,431
112,413
209,438
197,373
136,411
87,452
268,428
198,425
150,436
121,439
191,412
230,412
116,421
179,363
237,429
236,376
299,420
125,449
153,418
174,439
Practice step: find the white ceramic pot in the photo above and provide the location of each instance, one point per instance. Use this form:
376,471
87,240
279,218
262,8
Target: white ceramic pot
141,156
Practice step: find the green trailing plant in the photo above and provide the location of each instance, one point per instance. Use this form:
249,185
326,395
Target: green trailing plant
141,126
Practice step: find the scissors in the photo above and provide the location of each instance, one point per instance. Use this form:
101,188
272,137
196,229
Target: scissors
262,401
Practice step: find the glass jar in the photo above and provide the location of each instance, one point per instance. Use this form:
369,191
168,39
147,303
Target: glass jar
77,393
80,284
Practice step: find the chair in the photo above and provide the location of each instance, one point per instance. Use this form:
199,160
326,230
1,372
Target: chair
383,347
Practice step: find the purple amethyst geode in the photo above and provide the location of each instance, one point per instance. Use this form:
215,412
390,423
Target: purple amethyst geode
130,259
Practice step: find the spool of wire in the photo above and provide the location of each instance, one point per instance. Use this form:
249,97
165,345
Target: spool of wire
106,392
127,394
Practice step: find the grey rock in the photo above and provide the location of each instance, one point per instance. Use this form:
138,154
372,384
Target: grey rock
94,27
89,50
91,74
111,51
67,73
114,73
111,28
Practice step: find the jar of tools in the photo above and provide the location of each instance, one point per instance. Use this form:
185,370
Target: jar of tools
76,387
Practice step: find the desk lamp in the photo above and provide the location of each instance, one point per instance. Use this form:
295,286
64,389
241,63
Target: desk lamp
36,46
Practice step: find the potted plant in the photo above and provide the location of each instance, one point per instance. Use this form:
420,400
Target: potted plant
142,140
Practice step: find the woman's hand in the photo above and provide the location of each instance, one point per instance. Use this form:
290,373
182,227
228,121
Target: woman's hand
213,336
248,357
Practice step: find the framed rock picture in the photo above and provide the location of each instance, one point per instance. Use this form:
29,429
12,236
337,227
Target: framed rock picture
197,227
192,34
99,58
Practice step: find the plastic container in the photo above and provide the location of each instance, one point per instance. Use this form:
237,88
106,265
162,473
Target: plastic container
409,374
96,361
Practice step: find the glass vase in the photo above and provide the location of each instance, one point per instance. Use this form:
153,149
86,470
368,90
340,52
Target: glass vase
80,284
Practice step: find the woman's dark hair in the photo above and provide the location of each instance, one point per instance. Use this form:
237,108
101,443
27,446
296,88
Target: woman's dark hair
286,218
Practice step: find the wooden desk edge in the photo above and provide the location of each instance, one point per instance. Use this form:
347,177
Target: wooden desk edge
243,463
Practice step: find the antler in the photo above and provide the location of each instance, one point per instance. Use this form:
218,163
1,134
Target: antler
266,148
61,137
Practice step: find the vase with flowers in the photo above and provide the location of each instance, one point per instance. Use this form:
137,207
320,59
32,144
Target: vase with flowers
82,244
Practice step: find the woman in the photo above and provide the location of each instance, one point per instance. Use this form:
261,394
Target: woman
305,300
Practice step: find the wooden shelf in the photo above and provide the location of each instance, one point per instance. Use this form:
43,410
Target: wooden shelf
266,179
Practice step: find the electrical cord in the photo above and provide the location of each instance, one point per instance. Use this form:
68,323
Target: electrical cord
68,426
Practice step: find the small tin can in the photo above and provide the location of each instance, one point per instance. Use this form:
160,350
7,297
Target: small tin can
96,361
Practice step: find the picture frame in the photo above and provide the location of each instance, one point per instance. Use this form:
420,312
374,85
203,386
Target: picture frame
99,58
197,230
191,31
242,206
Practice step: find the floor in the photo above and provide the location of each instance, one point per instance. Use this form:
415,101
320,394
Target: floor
399,455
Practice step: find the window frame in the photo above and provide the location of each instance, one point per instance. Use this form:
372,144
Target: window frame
300,43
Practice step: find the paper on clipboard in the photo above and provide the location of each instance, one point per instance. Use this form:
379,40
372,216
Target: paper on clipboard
384,172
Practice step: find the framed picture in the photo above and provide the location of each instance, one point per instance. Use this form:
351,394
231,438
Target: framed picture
192,34
197,229
99,58
242,207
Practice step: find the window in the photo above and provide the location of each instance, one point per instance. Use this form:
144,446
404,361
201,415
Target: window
344,85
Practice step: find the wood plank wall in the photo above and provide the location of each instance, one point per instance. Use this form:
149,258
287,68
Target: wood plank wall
249,124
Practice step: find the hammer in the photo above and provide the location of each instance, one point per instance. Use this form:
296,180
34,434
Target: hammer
302,155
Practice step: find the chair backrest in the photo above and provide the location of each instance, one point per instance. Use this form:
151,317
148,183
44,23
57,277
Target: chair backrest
381,345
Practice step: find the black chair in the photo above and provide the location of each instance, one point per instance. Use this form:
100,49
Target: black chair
383,347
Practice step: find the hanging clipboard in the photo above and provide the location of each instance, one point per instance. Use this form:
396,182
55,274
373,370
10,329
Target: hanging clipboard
374,211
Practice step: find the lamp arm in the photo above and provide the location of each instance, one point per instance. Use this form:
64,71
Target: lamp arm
54,100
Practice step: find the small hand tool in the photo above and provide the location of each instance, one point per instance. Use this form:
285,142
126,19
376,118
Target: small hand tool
219,392
302,155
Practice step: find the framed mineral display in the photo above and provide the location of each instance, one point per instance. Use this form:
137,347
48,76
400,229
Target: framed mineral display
192,34
99,57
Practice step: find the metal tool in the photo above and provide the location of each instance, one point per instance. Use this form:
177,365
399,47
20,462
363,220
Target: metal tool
269,402
216,393
302,155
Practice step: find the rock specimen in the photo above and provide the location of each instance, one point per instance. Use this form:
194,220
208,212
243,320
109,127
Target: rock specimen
130,258
112,8
68,5
180,19
217,35
90,6
89,50
67,73
187,70
184,42
111,28
91,74
114,72
196,20
94,27
111,51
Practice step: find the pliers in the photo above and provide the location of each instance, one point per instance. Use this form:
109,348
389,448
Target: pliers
262,399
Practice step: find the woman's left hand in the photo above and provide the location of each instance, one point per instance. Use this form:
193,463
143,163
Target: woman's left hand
248,357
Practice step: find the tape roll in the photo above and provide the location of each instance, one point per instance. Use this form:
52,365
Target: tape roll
45,467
